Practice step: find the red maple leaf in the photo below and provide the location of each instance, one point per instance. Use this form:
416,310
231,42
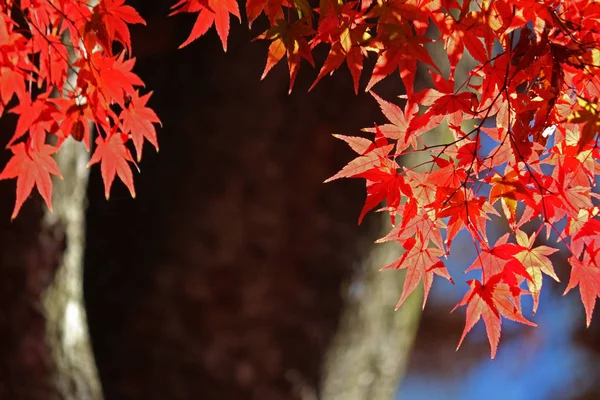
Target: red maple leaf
536,261
31,166
35,117
371,157
397,12
109,23
113,156
586,274
359,144
402,54
288,39
383,183
54,59
421,262
109,77
591,227
510,188
272,9
465,210
399,126
466,31
337,55
74,120
344,28
11,82
490,301
443,103
492,260
14,63
138,121
210,12
583,230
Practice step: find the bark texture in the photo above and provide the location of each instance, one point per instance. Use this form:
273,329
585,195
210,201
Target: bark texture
75,373
369,354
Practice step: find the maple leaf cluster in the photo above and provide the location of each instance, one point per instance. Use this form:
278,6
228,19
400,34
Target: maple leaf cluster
60,74
524,124
523,121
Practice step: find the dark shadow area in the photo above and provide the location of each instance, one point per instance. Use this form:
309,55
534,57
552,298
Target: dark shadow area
29,256
222,280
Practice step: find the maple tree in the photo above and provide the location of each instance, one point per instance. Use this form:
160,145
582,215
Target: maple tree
524,120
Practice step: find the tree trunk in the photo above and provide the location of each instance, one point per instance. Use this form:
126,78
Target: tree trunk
370,350
75,372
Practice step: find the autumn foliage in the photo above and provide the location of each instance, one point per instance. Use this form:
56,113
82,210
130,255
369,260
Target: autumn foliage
523,121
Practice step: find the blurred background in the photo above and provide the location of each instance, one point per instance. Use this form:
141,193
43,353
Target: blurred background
237,274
